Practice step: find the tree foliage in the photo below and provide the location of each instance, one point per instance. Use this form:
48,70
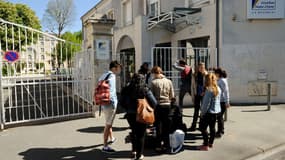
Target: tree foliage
66,50
58,15
20,14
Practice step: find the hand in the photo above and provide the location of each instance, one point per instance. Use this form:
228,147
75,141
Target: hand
228,105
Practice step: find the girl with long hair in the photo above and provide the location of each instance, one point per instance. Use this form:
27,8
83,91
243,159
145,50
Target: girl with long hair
210,110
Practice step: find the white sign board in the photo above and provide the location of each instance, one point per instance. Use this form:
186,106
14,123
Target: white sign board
265,9
102,49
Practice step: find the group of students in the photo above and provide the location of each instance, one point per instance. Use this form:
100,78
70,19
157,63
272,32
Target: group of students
209,91
210,94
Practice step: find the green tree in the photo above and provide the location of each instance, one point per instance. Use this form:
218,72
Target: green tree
20,14
66,50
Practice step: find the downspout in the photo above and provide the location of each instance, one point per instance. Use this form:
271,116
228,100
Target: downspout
218,31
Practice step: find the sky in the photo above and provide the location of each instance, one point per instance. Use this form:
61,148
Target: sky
81,7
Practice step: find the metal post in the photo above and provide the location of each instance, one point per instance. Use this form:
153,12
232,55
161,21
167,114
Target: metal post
1,100
269,96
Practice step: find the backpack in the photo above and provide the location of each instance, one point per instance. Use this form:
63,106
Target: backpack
102,92
176,141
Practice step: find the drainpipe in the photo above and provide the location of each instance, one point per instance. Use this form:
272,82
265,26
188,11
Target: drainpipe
218,31
1,100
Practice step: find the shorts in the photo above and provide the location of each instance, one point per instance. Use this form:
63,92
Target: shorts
110,113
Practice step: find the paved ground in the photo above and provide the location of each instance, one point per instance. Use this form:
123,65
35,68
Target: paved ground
249,131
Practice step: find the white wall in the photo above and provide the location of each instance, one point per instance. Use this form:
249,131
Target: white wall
249,47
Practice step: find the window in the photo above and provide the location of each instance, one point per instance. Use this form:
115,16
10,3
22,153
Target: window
30,57
30,49
154,8
42,50
30,65
127,12
42,57
42,43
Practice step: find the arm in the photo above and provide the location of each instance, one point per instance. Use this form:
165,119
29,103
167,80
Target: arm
227,93
193,87
171,93
112,82
206,103
177,67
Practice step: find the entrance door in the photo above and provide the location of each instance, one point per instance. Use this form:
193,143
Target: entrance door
127,59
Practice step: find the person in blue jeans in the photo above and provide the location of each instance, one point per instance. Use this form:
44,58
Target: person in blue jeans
210,109
110,110
225,99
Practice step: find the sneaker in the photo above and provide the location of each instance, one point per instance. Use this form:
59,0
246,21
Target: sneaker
113,140
203,148
139,158
218,135
108,150
133,155
210,145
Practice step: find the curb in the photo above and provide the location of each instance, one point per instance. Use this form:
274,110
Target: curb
267,152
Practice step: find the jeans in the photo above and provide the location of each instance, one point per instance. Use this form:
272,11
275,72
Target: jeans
197,105
221,118
162,124
208,120
182,92
137,134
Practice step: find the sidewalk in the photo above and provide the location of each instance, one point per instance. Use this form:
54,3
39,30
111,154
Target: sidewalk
249,131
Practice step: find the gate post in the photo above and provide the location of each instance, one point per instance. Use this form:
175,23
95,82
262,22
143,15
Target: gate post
1,100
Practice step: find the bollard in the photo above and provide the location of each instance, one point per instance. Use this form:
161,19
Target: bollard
268,96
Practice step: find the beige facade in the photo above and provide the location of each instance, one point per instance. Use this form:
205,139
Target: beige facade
247,48
38,56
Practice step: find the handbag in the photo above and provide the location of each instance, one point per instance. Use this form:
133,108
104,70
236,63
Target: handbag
145,114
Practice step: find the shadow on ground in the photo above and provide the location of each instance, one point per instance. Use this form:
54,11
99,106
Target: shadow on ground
78,153
100,129
94,152
74,153
263,110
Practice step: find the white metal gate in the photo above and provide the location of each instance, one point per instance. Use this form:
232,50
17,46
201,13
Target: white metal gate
49,80
165,57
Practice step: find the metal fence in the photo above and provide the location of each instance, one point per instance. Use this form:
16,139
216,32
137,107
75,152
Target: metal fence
165,57
46,82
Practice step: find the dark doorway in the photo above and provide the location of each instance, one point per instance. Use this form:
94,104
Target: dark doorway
127,59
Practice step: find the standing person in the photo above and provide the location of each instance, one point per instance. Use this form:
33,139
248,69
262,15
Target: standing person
136,90
186,77
110,110
225,99
163,91
197,87
210,110
144,70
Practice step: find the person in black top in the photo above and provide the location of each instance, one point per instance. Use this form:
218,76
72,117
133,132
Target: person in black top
197,90
135,90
